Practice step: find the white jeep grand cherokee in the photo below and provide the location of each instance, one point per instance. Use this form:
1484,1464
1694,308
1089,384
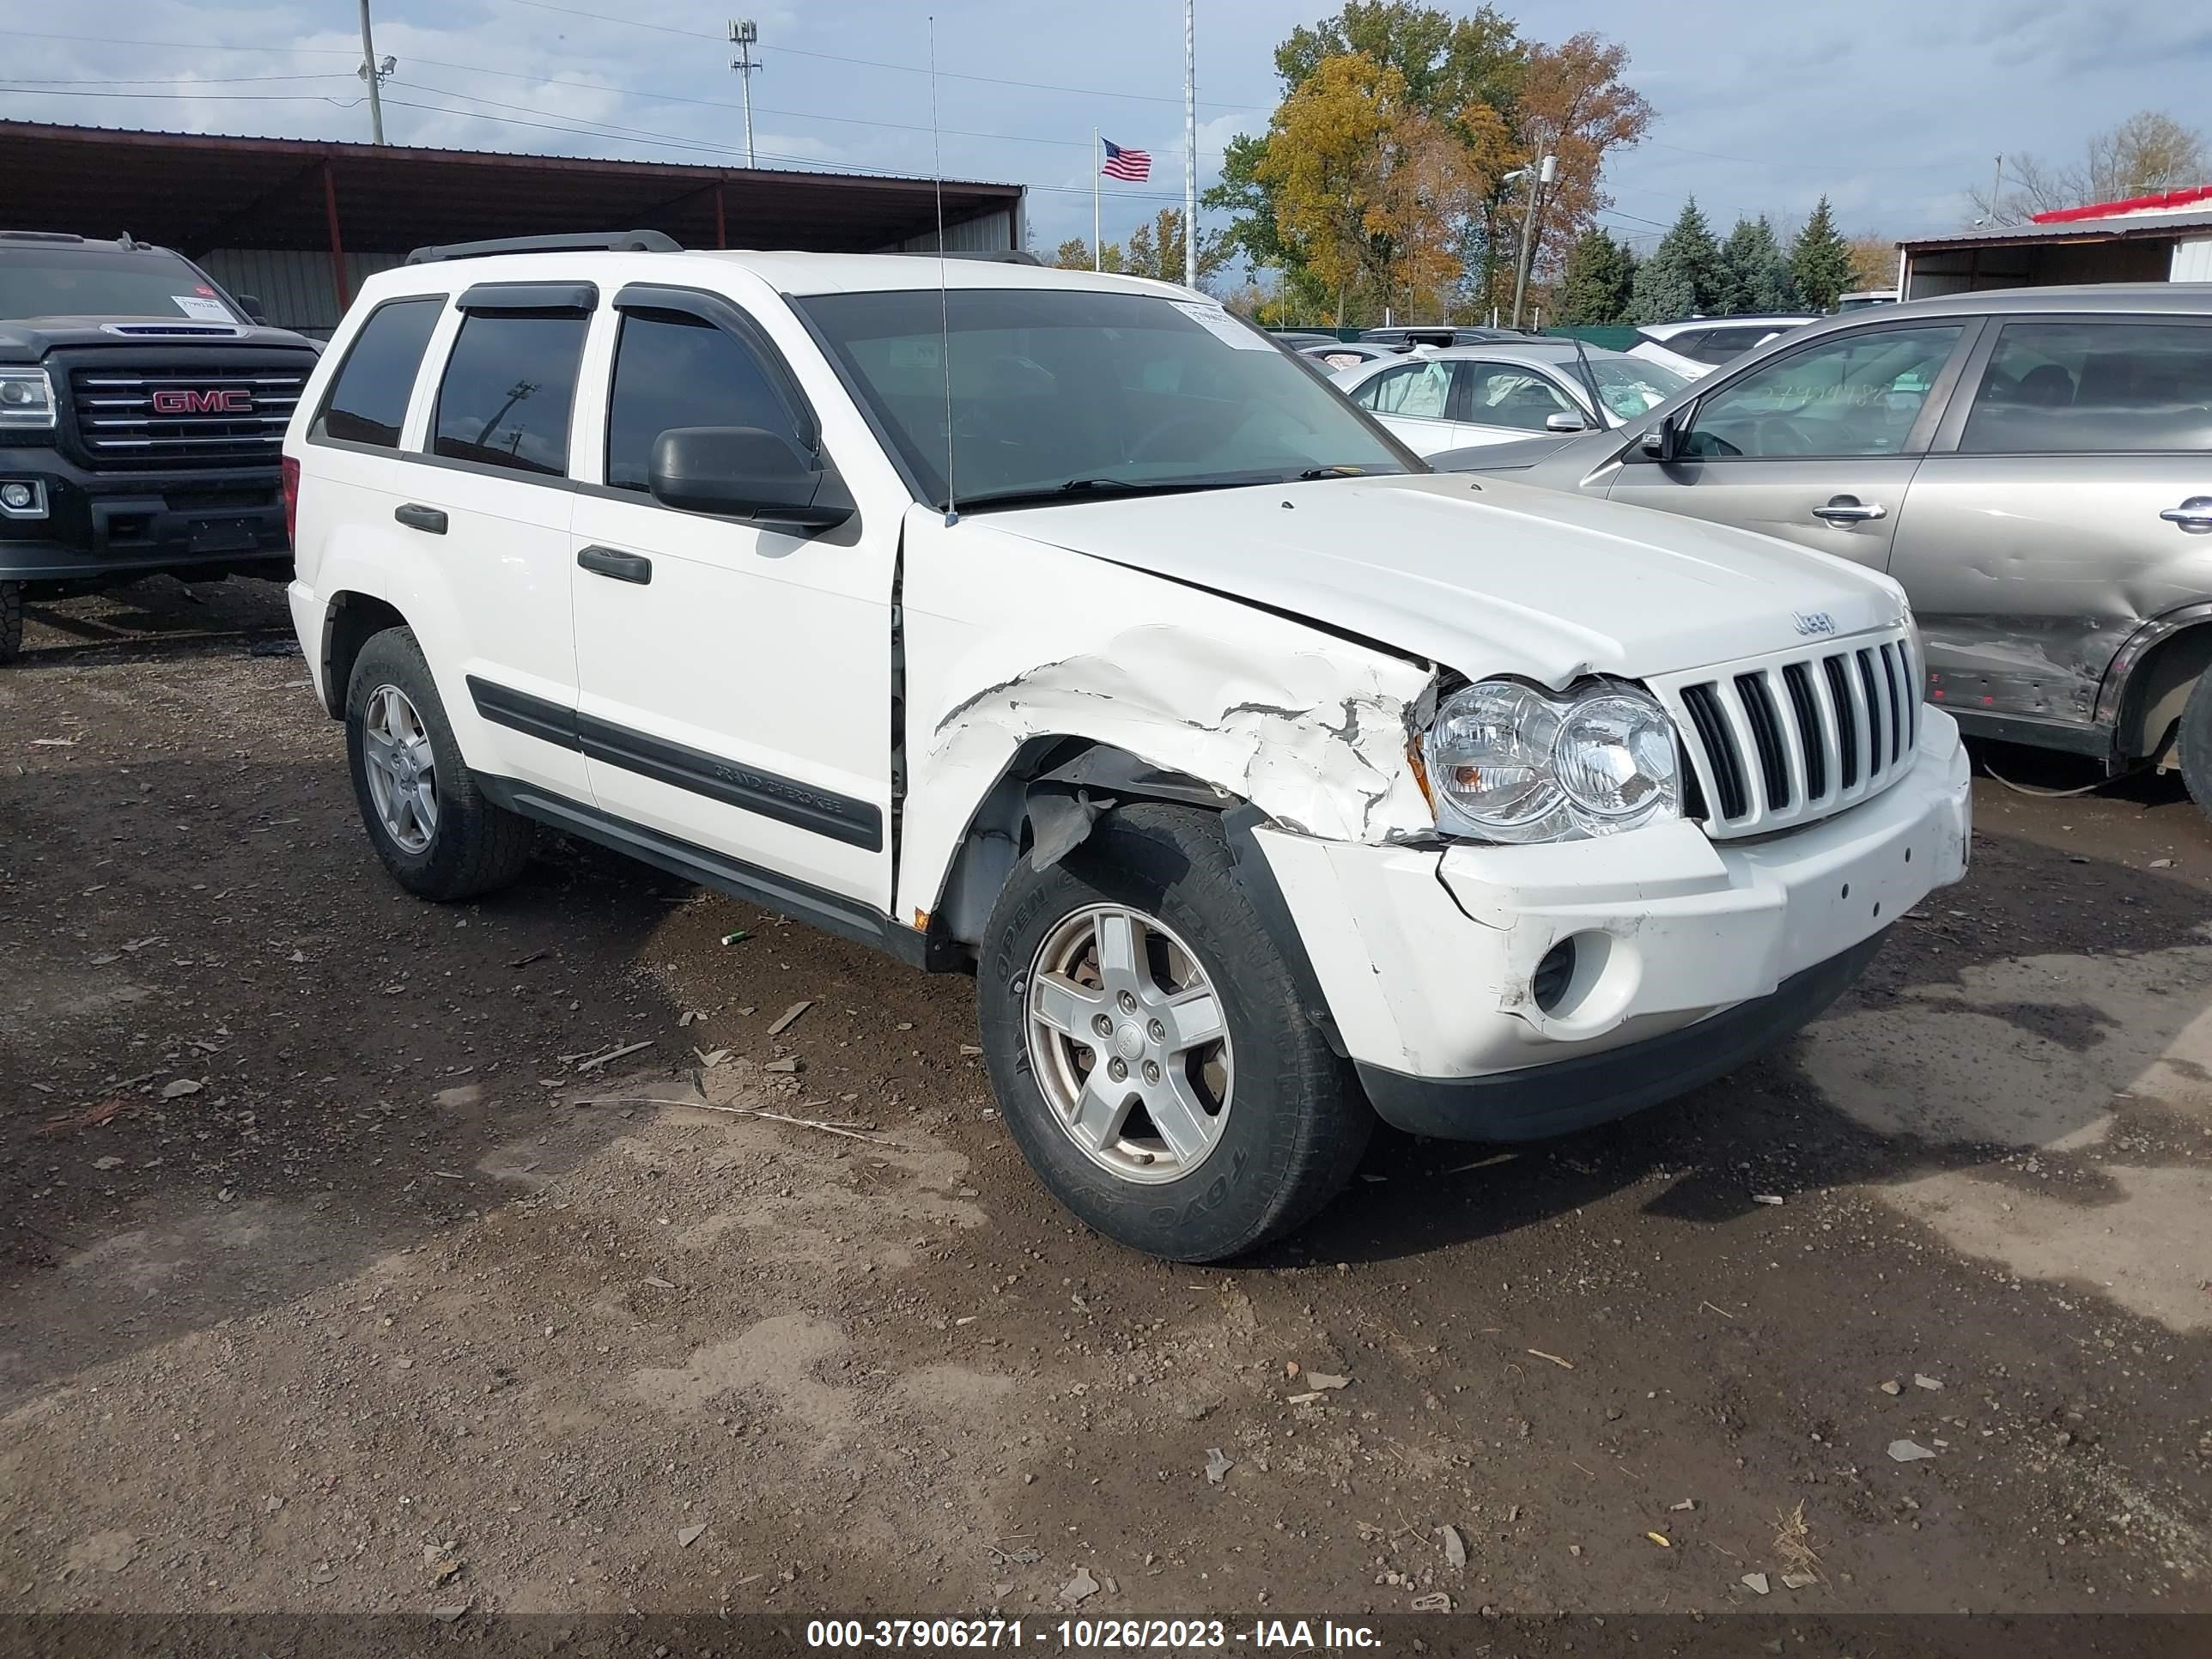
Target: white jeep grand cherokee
1062,629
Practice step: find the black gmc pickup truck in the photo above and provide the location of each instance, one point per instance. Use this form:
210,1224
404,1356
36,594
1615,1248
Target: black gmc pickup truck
141,421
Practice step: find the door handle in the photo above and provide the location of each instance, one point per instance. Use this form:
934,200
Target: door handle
417,517
1849,509
2193,516
622,567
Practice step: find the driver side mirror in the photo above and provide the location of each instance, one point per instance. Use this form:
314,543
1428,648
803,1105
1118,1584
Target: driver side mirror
747,472
1663,442
1564,420
251,306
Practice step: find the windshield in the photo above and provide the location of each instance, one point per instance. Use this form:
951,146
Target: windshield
1058,392
1631,387
93,282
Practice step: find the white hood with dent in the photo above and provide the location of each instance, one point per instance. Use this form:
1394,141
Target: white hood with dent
1483,575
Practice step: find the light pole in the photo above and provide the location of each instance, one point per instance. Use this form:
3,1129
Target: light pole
1542,174
1190,144
369,73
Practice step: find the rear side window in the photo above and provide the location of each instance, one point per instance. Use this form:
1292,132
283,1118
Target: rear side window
368,400
2082,387
508,389
671,370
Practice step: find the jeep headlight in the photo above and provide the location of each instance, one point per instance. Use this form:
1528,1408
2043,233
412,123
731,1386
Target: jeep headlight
1510,762
26,398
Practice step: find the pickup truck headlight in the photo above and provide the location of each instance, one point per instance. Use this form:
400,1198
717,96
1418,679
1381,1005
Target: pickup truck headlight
26,399
1510,762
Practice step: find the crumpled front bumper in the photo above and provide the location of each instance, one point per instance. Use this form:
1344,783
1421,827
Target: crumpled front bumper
1429,960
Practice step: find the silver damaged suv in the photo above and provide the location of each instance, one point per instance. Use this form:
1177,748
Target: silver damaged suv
2034,465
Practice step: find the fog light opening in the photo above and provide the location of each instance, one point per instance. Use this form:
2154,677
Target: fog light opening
1583,983
1554,976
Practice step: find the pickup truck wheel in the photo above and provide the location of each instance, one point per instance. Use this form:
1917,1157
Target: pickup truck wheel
2196,745
429,823
1144,1037
11,621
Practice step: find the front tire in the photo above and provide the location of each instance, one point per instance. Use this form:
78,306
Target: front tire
2195,743
11,622
434,828
1146,1040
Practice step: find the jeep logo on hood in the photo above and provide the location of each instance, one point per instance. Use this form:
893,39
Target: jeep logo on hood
1810,622
212,401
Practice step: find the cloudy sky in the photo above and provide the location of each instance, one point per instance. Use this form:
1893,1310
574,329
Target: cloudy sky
1891,107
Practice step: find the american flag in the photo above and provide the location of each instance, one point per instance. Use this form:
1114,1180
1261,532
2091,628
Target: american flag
1133,165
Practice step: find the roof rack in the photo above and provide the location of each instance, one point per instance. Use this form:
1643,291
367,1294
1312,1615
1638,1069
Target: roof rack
582,241
997,256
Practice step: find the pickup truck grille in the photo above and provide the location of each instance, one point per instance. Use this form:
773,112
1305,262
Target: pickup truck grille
1786,740
219,415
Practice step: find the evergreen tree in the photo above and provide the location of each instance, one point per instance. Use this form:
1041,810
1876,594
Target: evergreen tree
1596,286
1820,261
1682,278
1754,274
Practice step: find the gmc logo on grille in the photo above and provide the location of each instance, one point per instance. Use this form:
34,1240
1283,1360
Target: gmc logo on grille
213,402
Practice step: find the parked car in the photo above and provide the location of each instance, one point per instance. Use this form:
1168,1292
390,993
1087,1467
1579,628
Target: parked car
1694,347
141,411
1438,334
1864,297
2034,465
1349,354
1058,628
1502,394
1301,340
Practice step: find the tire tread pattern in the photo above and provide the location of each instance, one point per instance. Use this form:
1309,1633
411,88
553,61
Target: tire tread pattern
2195,744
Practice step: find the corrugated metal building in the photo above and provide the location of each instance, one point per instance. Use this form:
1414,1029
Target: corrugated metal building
299,223
2147,238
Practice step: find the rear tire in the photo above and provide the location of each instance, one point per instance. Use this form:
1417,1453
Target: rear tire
11,622
434,829
2195,743
1282,1121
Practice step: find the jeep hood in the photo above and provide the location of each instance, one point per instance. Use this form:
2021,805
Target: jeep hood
1484,576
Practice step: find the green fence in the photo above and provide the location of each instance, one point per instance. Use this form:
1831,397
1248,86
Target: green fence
1606,339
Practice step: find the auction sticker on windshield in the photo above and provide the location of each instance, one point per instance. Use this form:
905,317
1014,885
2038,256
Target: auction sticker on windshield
207,310
1216,321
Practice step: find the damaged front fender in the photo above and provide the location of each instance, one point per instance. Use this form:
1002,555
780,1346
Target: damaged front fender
1312,730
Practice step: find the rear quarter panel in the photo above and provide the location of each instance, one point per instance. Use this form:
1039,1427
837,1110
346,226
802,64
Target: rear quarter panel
348,542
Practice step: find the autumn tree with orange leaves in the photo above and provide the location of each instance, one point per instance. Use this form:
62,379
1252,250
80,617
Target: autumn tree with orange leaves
1573,105
1380,182
1369,192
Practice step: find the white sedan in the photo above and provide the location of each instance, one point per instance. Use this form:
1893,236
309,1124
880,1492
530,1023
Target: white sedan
1463,396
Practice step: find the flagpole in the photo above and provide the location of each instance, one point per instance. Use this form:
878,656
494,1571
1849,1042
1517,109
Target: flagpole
1190,144
1097,261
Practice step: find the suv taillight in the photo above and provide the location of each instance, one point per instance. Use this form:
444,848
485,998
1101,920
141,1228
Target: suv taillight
291,500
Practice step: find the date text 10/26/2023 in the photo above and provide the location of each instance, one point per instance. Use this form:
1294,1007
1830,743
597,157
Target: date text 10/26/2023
1123,1635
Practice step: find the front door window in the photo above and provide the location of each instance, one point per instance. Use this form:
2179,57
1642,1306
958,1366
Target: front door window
1419,390
1857,395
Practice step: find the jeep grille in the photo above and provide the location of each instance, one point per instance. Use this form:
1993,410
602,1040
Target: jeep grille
1783,740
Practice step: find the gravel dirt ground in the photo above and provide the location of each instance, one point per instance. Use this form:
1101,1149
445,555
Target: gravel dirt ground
335,1278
